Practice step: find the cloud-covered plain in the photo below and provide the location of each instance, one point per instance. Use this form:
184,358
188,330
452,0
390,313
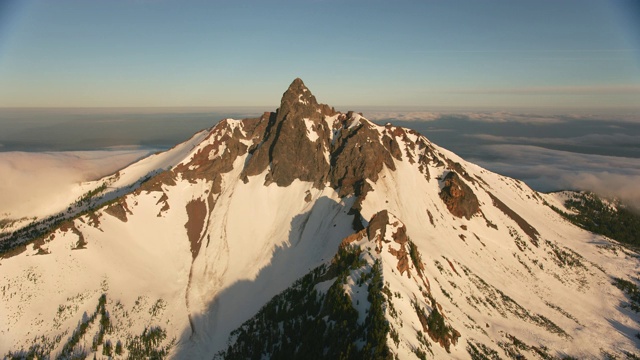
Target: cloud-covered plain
33,183
403,115
488,117
585,140
547,170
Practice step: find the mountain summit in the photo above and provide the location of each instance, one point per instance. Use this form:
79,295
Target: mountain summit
310,233
297,100
293,144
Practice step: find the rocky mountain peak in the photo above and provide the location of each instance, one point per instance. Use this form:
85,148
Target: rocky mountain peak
298,103
295,140
298,93
312,142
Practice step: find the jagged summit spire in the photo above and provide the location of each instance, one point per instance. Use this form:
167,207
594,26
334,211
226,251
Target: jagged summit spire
294,140
298,102
297,85
297,82
297,96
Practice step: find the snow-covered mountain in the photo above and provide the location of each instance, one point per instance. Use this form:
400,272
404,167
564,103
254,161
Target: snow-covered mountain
309,233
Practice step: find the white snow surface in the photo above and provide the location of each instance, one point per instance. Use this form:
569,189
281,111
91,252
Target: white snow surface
257,240
311,132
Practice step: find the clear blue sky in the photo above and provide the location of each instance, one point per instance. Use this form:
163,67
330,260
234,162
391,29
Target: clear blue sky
511,53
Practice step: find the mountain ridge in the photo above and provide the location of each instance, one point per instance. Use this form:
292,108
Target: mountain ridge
463,263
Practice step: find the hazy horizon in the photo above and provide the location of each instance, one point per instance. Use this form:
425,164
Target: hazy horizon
528,54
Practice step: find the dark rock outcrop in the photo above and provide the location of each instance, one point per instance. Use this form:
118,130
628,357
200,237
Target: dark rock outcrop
378,223
207,163
299,143
377,231
458,196
119,209
197,214
357,155
295,142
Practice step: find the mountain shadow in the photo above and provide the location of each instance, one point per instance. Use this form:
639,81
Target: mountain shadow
314,238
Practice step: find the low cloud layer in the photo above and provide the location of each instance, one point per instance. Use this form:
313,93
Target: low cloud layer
591,140
33,183
549,170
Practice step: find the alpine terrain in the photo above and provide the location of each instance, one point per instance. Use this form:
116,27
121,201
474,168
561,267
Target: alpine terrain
309,233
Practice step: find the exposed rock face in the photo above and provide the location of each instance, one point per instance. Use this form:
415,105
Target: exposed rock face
197,213
377,232
357,155
311,142
226,142
458,196
119,210
400,237
378,224
210,162
156,182
295,141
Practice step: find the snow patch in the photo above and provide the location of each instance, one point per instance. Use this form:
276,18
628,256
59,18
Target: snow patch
311,133
356,121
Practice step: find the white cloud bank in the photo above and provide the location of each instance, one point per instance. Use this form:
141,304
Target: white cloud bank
604,140
546,169
33,183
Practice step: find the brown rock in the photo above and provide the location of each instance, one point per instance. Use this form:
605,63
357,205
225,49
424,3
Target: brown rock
458,197
164,200
352,238
202,166
357,155
119,209
377,223
197,213
287,150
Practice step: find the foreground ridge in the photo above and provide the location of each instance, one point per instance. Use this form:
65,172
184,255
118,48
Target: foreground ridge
310,233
